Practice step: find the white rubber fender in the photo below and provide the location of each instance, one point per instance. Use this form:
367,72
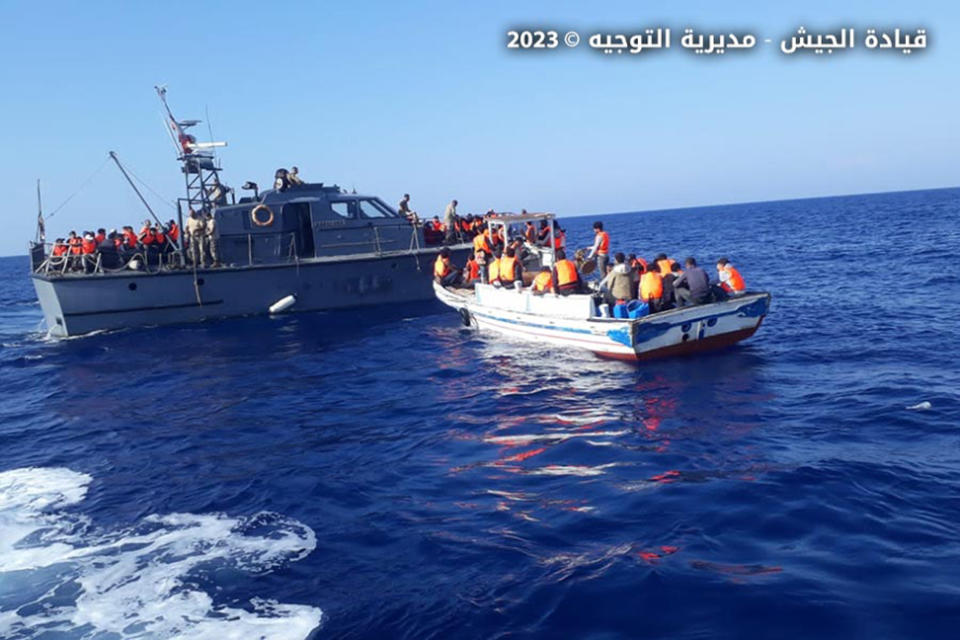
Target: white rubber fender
283,304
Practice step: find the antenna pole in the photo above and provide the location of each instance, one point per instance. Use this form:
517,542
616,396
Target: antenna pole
134,187
41,232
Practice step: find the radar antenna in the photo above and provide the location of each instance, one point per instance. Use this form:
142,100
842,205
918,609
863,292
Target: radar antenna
201,170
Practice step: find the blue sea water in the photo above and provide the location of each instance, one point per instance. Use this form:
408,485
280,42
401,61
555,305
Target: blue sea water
390,474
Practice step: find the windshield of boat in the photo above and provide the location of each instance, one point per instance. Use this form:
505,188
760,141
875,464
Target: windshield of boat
373,208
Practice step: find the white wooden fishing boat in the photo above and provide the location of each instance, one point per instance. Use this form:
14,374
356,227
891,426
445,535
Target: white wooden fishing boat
577,321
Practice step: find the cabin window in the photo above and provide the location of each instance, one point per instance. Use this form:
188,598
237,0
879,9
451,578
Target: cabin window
342,209
372,209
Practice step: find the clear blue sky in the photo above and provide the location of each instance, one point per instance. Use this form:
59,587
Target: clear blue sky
425,98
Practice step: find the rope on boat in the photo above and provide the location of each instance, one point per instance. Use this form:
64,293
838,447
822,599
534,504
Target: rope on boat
79,189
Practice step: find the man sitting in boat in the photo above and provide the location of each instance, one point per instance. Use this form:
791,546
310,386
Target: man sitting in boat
493,269
510,269
617,286
692,286
481,241
543,283
651,288
565,275
730,279
473,270
669,300
444,272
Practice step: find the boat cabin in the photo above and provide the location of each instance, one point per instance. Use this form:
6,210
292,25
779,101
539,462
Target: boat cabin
310,221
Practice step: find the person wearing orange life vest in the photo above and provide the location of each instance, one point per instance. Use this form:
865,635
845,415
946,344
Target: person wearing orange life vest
444,272
481,242
730,279
510,270
146,236
173,231
601,248
651,288
565,276
637,265
543,283
100,236
471,271
130,238
59,248
74,242
559,238
493,268
664,264
88,245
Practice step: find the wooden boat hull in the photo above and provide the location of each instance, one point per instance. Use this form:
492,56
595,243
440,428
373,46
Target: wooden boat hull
552,320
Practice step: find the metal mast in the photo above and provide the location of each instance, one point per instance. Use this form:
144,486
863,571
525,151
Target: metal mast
201,171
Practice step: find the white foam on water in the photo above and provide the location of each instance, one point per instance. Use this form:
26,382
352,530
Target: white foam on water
60,575
527,438
922,406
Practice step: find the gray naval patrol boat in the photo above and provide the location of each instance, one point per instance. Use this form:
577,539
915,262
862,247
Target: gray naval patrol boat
296,247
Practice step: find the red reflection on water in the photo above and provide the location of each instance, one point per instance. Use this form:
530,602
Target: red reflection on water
520,457
652,556
666,476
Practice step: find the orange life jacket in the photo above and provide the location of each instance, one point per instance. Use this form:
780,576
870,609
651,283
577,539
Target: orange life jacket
59,249
734,280
559,240
160,237
74,245
542,281
473,269
494,271
174,232
148,237
665,265
100,237
89,246
480,244
566,272
441,269
507,267
131,239
604,247
638,261
651,286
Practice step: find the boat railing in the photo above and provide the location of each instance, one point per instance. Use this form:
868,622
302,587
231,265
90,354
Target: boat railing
286,249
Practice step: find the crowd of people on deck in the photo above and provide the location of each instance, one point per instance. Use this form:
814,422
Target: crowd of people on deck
661,283
153,244
454,228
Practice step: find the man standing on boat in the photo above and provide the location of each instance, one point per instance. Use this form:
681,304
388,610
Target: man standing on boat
449,221
601,248
196,230
211,239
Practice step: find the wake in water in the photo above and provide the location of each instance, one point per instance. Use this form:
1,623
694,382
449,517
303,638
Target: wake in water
60,575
